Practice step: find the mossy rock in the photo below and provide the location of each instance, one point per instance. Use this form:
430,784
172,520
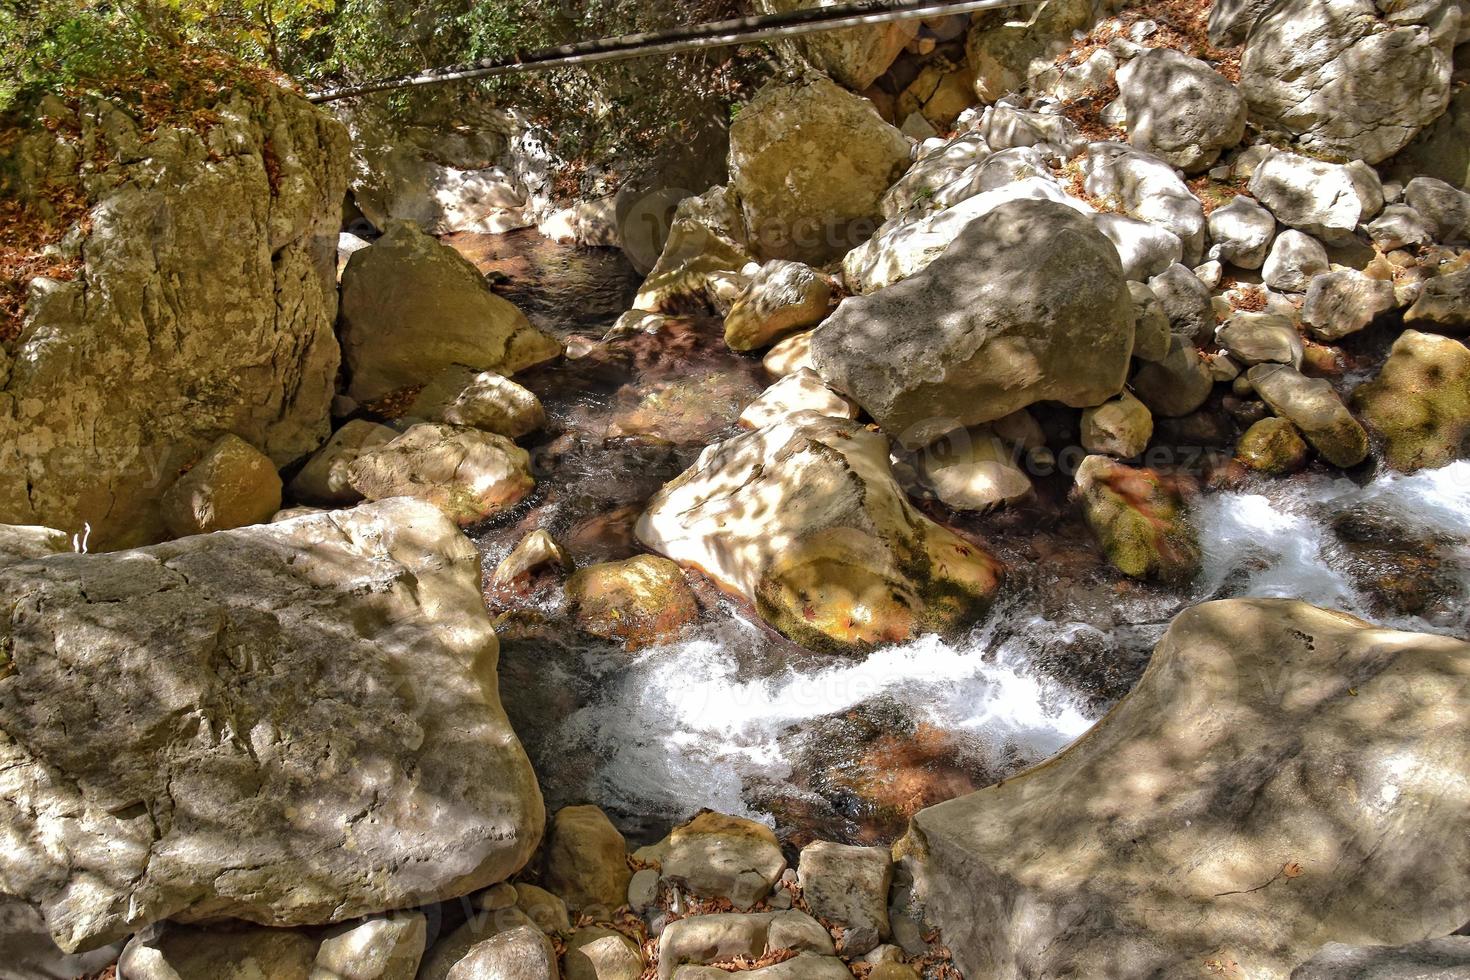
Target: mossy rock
1419,405
1272,446
1140,521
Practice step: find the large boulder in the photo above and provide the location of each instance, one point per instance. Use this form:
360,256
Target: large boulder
1328,200
1350,77
204,304
804,519
412,307
1281,777
809,163
1180,109
290,723
1028,304
1419,404
854,57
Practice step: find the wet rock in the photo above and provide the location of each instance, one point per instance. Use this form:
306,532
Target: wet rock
855,564
1399,226
1121,427
781,298
707,239
1147,188
1347,78
806,966
1186,302
1327,200
1344,302
1445,209
802,391
479,400
468,474
534,552
972,469
1242,232
809,163
547,911
1443,304
1295,260
412,307
848,886
1180,109
332,669
854,57
323,480
716,856
1261,338
1146,250
1419,404
994,324
1266,700
204,305
641,600
1312,406
790,355
182,953
232,485
1151,330
1272,446
1176,385
587,861
602,954
1428,959
1140,521
386,948
523,953
702,939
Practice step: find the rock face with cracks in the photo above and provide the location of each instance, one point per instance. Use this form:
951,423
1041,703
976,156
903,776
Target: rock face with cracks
805,519
1281,777
289,724
1028,304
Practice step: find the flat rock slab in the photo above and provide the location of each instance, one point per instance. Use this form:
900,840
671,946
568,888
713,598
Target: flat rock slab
1282,777
289,724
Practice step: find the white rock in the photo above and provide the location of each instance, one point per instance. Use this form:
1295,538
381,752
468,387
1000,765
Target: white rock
1328,200
1400,226
1445,209
1146,249
1180,109
801,391
1242,232
1294,261
1148,189
790,355
972,469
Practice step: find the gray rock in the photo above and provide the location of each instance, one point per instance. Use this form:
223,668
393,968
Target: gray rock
205,304
295,774
1242,232
1399,226
1344,302
468,474
707,243
27,951
848,886
1261,338
1442,149
643,890
323,480
602,954
232,485
1029,303
1228,762
182,953
412,307
1312,406
482,400
702,939
1445,209
1175,385
1145,249
1151,331
1328,200
1444,304
1007,127
523,953
785,146
1428,959
1295,260
18,543
854,57
806,966
1348,78
1147,188
1186,302
1231,20
482,925
587,861
716,856
1180,109
385,948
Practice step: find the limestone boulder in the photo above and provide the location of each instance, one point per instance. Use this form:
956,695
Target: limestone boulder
232,485
1186,301
1261,338
782,297
800,391
601,954
1005,50
1028,304
1176,384
854,57
973,469
1151,333
1281,777
204,304
1444,208
720,937
1147,188
522,953
1121,427
19,543
805,519
587,860
468,474
1344,302
1294,261
1419,404
1272,446
412,307
1145,249
1180,109
1348,77
721,857
267,724
809,164
1427,959
1442,149
387,947
1241,233
848,886
183,953
1328,200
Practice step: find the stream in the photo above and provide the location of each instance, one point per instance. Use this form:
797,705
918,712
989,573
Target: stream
733,717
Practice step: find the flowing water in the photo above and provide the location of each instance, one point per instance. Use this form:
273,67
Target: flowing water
733,717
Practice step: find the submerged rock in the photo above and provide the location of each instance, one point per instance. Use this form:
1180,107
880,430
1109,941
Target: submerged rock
287,709
1028,304
1419,404
1140,520
805,519
1282,776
